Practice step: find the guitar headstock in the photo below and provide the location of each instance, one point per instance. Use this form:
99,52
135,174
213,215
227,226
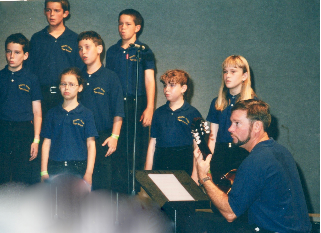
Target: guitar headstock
199,130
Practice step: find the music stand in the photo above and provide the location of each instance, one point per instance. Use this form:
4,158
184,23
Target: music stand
174,209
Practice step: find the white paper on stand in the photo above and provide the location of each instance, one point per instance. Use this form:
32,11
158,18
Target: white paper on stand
171,187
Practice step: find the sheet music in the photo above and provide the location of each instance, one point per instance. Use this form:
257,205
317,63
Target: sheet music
171,187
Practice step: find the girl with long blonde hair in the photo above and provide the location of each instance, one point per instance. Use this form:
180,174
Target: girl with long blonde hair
236,86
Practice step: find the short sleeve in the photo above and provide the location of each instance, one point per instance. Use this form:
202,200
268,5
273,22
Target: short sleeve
213,114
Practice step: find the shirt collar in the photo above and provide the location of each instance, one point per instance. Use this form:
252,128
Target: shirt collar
229,96
96,74
120,42
16,73
78,109
185,106
66,33
264,143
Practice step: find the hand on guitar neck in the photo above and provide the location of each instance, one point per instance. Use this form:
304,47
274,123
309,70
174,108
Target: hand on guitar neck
199,131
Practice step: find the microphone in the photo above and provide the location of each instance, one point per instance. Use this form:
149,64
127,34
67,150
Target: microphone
138,46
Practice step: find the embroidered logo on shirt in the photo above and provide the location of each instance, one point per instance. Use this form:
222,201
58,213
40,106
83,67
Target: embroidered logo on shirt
78,122
183,119
24,87
99,90
133,58
66,48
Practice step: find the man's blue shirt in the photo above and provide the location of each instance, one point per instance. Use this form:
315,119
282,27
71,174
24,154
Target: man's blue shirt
267,184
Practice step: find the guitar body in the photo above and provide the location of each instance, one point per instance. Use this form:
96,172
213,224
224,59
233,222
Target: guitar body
199,131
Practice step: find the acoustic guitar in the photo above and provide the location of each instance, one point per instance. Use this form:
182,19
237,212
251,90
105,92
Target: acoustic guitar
200,129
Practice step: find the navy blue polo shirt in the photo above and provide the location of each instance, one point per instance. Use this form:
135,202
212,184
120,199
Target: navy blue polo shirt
50,56
17,91
68,132
222,118
267,185
103,95
116,60
173,128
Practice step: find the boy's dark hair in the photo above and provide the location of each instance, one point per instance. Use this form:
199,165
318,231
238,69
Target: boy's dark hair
256,110
18,38
90,35
64,4
137,17
75,71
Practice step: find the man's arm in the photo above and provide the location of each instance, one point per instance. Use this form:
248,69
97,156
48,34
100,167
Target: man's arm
37,120
112,141
150,154
91,155
217,196
147,115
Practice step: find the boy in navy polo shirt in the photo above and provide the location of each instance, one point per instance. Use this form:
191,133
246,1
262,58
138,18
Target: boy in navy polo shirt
52,50
103,95
121,58
20,114
171,145
69,132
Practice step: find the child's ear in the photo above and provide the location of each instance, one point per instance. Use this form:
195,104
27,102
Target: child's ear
100,49
137,28
25,56
245,76
66,13
184,88
81,87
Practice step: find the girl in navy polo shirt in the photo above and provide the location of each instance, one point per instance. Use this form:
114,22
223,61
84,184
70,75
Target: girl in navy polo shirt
69,133
236,86
171,145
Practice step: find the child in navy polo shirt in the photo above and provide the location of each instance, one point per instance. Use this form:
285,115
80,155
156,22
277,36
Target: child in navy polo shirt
121,58
20,114
236,86
52,50
171,145
69,132
103,95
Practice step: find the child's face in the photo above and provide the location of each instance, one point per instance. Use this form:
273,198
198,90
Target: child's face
127,28
89,51
69,86
174,91
55,14
15,56
233,79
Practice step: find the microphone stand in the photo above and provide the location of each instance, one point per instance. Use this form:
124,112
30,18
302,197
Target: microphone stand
138,53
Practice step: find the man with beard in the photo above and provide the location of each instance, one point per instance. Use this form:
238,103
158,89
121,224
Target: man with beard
267,184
